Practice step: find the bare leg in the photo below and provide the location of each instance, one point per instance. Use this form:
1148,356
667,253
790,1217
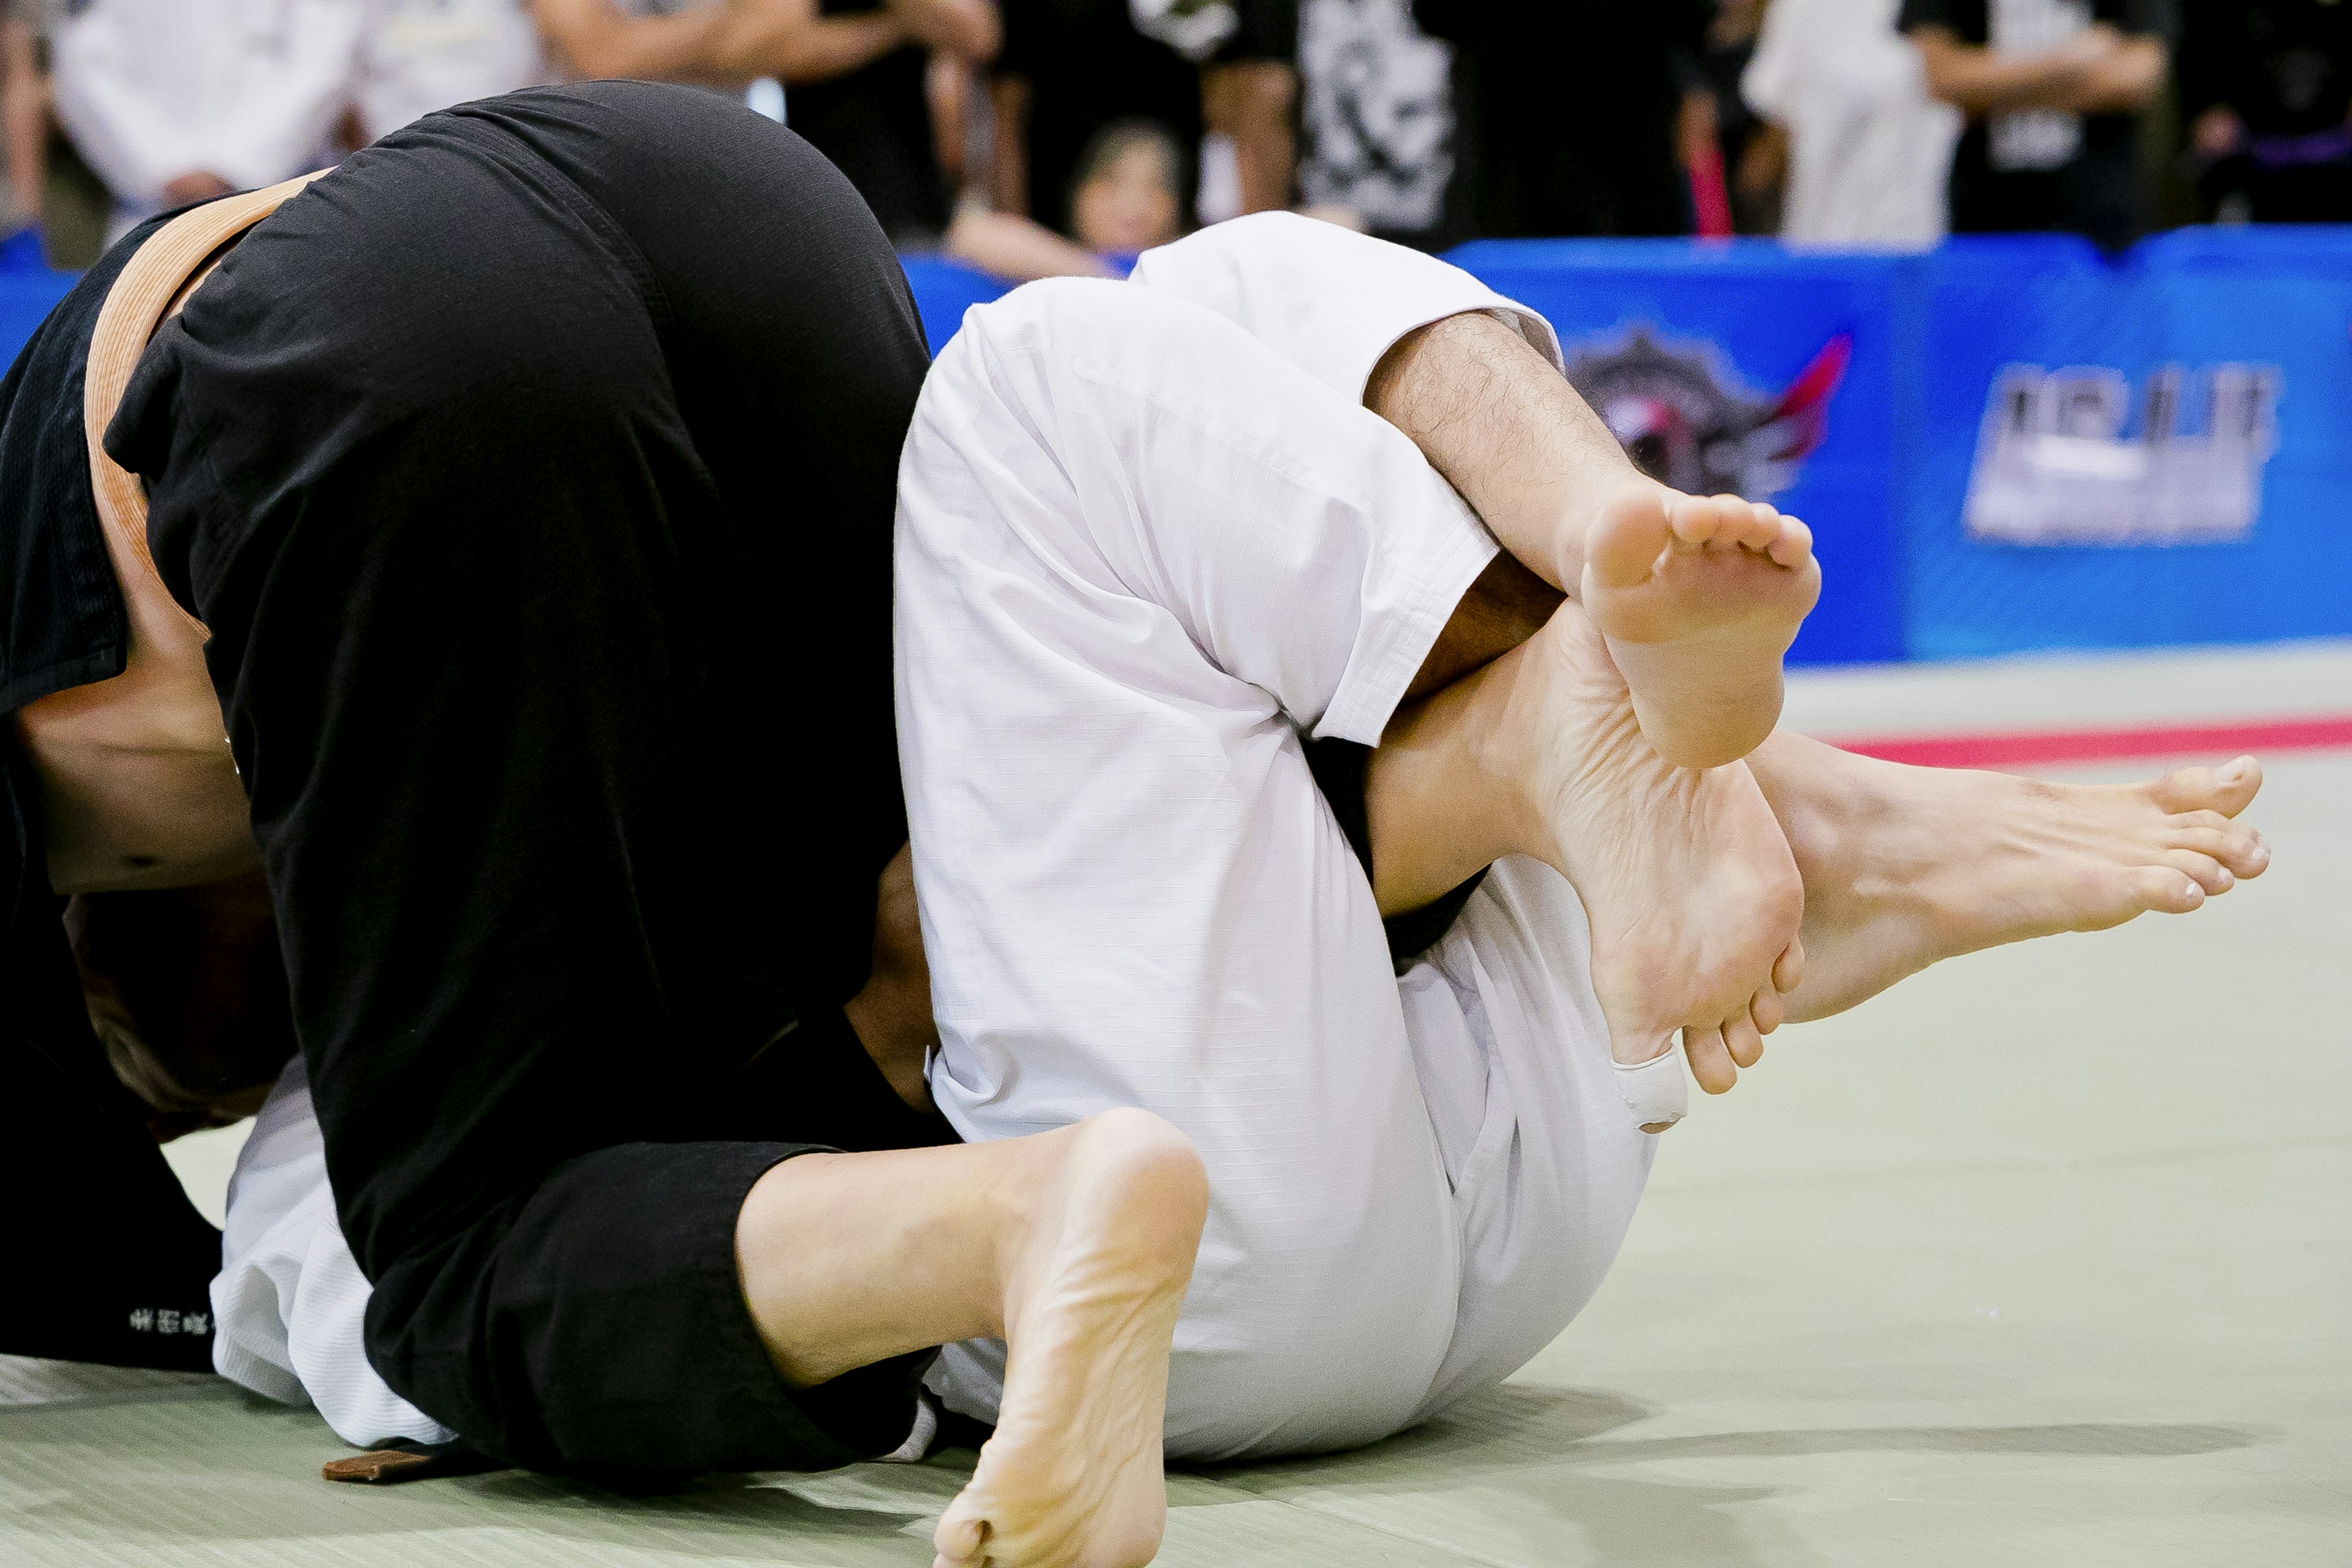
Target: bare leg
1905,866
1074,1245
1697,596
1693,895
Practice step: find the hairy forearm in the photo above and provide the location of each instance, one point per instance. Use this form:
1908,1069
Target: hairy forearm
1507,431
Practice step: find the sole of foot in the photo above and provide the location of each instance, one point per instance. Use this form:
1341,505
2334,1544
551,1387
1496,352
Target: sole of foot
1686,879
1905,865
1073,1476
1699,597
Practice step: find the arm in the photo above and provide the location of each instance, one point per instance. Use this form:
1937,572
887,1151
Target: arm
2098,72
25,107
1253,102
1008,175
966,28
591,39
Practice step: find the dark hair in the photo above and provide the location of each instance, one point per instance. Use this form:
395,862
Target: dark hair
1112,142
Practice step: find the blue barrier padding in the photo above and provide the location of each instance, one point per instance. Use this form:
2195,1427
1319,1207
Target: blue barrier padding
2030,444
944,290
1759,316
27,295
2278,302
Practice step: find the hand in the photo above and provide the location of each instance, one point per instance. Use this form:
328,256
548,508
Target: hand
2216,134
195,185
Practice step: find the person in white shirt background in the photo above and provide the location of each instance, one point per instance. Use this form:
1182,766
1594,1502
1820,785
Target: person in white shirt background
174,101
1869,149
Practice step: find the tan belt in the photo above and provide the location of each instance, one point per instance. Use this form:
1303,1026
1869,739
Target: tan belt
141,299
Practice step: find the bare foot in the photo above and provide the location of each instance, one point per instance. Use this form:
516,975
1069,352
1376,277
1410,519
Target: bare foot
1073,1478
1699,597
1905,866
1688,879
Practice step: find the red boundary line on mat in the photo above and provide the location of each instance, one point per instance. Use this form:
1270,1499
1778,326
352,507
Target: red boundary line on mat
2097,745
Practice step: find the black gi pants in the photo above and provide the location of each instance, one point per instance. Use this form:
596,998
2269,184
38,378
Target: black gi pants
534,473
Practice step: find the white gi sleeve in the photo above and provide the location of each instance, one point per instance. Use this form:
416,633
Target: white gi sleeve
1327,299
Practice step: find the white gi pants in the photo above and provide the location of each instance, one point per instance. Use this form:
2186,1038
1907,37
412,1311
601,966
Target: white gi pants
290,1304
1141,553
1147,537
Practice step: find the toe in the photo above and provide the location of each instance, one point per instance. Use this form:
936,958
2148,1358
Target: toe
1759,525
1743,1040
2227,790
1697,520
2162,889
2203,869
1765,1010
959,1538
1789,968
1710,1060
1622,551
2243,851
1795,542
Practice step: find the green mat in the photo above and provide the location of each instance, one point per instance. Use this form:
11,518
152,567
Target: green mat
2041,1259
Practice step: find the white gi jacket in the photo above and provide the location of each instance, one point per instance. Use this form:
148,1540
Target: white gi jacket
246,90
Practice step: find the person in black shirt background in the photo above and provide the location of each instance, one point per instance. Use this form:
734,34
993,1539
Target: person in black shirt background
2051,88
2266,89
1568,113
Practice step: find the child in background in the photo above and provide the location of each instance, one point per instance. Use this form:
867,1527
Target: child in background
1125,198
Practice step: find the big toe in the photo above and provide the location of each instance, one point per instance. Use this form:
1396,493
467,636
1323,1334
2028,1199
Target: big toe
1623,547
2227,790
962,1535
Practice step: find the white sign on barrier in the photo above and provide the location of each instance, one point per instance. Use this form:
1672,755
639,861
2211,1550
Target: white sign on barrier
2055,466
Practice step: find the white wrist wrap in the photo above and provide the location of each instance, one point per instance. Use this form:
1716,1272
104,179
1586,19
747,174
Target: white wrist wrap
1656,1091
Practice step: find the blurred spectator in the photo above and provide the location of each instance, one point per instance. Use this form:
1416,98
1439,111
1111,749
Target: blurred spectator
1068,68
23,116
1377,118
1571,113
1249,108
1869,151
1751,151
859,80
174,101
2050,87
420,56
2266,89
1127,190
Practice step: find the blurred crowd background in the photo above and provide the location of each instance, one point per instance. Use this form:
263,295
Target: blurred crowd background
1032,137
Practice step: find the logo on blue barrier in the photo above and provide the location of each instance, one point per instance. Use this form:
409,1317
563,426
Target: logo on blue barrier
1686,419
2055,466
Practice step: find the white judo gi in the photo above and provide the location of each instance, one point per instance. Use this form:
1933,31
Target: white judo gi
1149,538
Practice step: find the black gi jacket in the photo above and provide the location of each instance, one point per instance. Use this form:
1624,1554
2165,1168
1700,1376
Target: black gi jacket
113,1263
